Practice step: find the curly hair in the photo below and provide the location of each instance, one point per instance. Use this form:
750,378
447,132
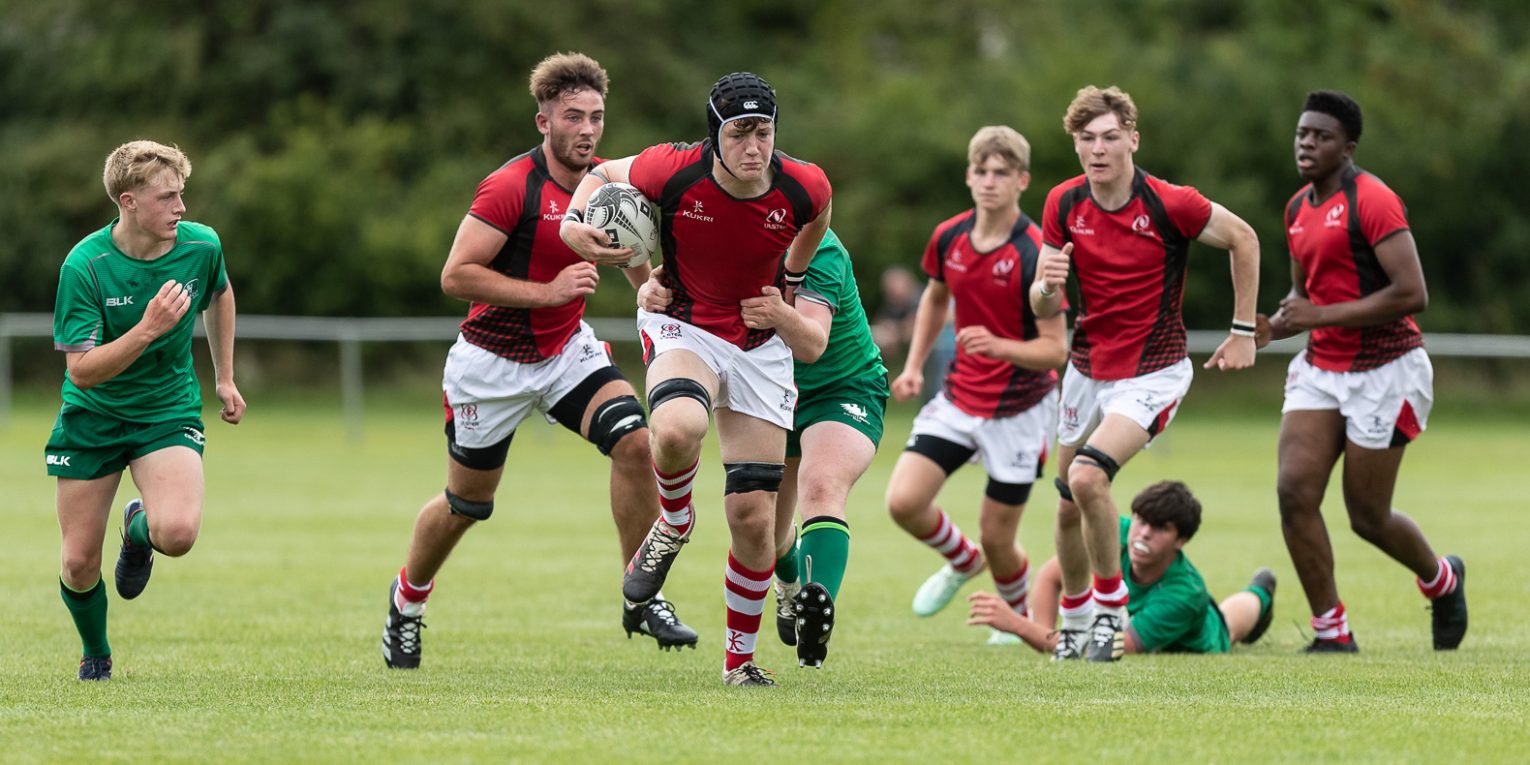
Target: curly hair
567,73
1169,502
1339,106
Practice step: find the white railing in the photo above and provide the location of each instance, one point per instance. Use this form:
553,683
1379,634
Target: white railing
350,333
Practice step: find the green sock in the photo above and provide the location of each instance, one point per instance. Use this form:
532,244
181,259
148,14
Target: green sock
138,529
826,543
89,611
1265,599
786,565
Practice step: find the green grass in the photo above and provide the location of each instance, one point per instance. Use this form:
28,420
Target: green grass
262,645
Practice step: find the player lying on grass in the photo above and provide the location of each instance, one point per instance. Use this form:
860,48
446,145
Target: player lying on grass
1170,609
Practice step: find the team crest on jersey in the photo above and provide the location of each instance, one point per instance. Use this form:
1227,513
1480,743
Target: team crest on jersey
775,220
1080,227
697,213
1143,226
1002,269
1335,217
669,331
856,411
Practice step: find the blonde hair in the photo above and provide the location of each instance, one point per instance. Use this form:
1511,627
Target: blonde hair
133,164
1003,142
1091,102
567,72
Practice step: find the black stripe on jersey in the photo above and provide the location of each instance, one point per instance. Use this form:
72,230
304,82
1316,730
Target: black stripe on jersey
1079,351
943,245
512,336
1029,257
1367,267
1025,386
669,206
802,204
1166,343
1294,208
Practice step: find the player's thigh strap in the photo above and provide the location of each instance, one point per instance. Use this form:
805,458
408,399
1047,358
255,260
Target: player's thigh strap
569,411
491,457
679,387
949,455
478,511
744,477
1007,493
1062,488
1100,460
614,420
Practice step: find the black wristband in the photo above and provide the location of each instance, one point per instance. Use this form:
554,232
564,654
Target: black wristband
576,215
795,278
1243,329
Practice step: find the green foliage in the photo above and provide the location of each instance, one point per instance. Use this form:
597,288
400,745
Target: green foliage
337,144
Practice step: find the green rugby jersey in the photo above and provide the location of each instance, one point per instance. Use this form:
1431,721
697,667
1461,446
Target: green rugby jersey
851,354
1175,613
102,294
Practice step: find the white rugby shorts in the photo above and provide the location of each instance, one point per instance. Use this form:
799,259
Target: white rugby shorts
1012,449
490,395
1381,406
1150,400
757,382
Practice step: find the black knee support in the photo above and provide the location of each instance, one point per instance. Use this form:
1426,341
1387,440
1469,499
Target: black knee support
1062,488
478,511
613,420
1100,460
947,454
1007,493
744,477
679,387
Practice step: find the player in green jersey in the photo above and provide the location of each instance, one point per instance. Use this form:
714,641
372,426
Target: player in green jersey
127,301
841,399
1170,609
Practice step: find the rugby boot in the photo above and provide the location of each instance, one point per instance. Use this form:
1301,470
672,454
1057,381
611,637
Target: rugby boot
814,609
1449,610
657,619
135,562
650,564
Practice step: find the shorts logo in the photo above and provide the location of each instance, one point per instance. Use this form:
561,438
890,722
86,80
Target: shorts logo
587,352
775,220
856,411
193,435
1147,401
788,400
1378,426
1142,226
1070,416
62,460
1335,217
669,331
467,416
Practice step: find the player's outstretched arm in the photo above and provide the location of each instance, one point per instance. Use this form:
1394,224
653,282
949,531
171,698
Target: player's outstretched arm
88,369
1227,231
585,240
988,609
219,318
929,318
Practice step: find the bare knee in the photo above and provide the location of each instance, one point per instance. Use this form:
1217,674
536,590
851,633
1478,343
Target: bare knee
1088,483
632,451
904,506
1369,523
1068,515
81,569
676,436
175,539
1296,497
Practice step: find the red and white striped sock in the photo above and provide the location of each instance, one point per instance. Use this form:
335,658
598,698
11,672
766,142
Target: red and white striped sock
675,497
410,598
1443,583
1076,610
744,591
1110,593
1332,624
1013,589
949,541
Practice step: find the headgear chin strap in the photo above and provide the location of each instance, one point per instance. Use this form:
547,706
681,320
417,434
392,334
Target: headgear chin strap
737,96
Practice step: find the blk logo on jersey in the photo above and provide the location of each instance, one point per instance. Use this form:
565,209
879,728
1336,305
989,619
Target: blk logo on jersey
62,460
1335,217
119,302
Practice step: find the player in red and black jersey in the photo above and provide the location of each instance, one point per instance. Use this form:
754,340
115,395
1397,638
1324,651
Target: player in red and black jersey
1364,386
999,400
1125,235
525,348
730,206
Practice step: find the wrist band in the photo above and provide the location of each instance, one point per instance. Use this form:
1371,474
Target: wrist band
1242,329
576,215
795,278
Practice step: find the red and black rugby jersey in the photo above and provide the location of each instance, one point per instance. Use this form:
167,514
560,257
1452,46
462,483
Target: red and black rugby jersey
718,249
1130,267
1335,242
990,290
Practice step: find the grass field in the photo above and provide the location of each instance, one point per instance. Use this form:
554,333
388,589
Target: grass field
262,645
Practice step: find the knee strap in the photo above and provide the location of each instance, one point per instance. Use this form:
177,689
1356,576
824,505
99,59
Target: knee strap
1062,488
679,387
478,511
744,477
615,419
1100,460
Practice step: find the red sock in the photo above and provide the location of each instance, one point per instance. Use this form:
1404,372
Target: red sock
1013,589
744,591
1332,624
1110,593
949,541
1444,582
408,593
675,496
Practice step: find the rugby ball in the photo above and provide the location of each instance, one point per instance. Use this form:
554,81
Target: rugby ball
627,217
